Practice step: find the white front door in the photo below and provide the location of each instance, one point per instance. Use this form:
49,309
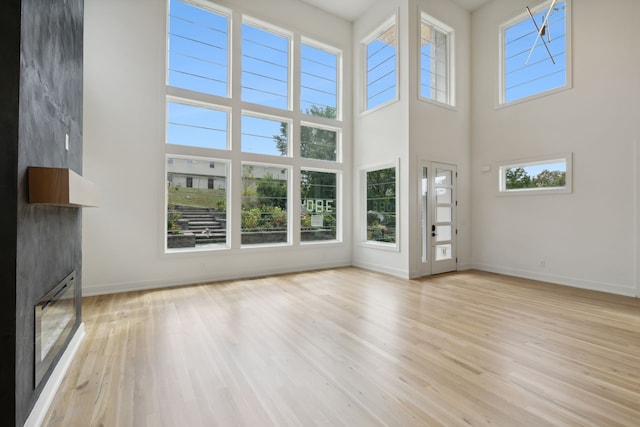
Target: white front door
438,201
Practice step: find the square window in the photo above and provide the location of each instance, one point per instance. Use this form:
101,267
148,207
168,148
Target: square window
262,135
435,60
196,204
381,53
198,49
318,81
265,66
318,210
534,52
264,204
318,143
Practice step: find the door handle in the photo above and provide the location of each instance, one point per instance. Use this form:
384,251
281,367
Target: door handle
433,230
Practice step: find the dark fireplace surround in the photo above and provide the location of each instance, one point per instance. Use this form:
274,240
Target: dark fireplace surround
41,80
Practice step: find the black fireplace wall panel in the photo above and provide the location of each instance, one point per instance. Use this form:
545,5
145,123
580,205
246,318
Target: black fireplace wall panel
41,102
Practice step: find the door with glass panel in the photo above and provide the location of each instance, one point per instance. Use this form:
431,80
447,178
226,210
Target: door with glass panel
438,201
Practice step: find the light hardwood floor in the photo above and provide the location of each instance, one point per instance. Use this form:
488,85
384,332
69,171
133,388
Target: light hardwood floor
348,347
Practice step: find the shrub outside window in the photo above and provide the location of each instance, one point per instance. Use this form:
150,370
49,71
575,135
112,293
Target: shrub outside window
264,204
381,205
318,209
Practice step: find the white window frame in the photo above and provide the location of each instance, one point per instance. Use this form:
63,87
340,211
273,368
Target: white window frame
394,247
450,48
290,203
233,154
217,9
381,29
536,161
339,203
501,100
265,26
228,190
339,84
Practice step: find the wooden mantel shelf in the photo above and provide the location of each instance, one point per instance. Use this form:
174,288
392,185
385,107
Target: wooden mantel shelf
61,187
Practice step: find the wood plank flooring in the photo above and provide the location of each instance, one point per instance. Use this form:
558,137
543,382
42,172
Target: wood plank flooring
348,347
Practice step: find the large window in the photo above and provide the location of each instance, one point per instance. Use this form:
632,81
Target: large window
435,60
269,134
381,54
535,52
381,212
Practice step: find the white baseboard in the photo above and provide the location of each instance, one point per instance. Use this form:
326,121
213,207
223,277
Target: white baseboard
41,407
402,274
559,280
114,288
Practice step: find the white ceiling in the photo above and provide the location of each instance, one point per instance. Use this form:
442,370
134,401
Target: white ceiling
352,9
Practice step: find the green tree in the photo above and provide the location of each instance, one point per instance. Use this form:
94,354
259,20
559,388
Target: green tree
518,178
272,192
548,178
314,143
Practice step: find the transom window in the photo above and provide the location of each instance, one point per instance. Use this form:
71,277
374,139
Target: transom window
381,54
435,60
282,135
535,52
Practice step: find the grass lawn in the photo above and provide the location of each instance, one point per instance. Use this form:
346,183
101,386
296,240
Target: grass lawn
196,197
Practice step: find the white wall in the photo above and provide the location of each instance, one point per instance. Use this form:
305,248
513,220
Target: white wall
410,131
441,134
586,238
381,136
124,151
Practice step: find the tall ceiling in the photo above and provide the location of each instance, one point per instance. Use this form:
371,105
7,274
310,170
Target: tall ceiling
352,9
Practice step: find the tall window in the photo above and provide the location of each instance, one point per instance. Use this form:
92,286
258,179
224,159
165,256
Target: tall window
534,52
196,204
319,209
265,66
381,49
318,81
264,204
198,49
381,205
281,139
435,60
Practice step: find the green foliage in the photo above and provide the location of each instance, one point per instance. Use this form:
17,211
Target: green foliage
315,143
251,218
272,192
519,178
172,222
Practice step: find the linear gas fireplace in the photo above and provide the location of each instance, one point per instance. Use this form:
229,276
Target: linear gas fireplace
55,316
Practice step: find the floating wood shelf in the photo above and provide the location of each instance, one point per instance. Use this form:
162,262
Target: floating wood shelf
61,187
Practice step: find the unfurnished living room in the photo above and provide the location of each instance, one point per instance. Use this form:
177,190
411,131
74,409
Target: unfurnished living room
320,212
